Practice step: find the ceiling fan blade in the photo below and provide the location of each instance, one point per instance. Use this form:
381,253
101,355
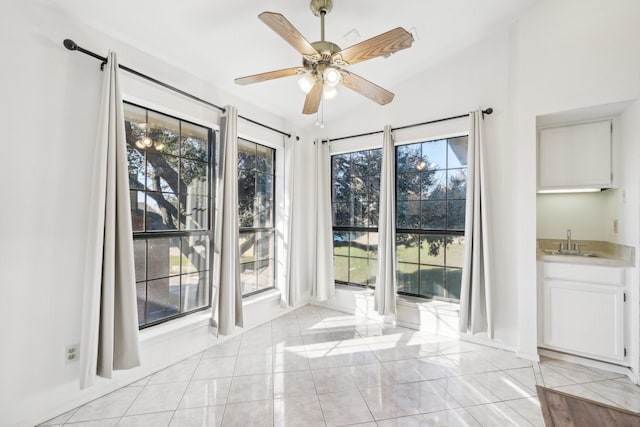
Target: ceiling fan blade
366,88
312,101
287,31
257,78
383,44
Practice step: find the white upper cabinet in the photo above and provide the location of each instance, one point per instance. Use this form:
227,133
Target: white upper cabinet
575,156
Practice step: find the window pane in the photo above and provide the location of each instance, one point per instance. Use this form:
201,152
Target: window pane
341,215
194,291
408,214
140,259
264,213
194,177
372,251
374,161
341,167
407,275
455,251
163,298
341,243
359,244
457,185
137,210
373,187
246,184
408,186
265,274
162,173
434,185
408,158
342,189
432,249
195,254
264,186
358,271
264,159
136,167
373,209
432,281
265,245
455,214
373,272
194,212
434,153
164,132
248,278
359,164
457,152
359,214
434,215
162,211
247,247
245,215
407,249
246,155
341,268
141,297
454,278
163,257
195,142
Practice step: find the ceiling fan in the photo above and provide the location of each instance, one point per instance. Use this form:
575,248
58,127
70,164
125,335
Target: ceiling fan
323,62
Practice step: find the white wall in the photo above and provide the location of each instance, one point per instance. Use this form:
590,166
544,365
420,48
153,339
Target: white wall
49,118
589,216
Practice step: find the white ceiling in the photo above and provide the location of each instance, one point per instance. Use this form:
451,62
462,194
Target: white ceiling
220,40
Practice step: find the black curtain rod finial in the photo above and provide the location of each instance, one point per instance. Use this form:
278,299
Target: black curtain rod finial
488,111
70,44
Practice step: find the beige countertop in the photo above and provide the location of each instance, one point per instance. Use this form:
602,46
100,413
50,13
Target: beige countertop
605,253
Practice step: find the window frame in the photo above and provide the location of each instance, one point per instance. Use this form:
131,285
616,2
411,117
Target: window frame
445,232
354,229
147,235
273,229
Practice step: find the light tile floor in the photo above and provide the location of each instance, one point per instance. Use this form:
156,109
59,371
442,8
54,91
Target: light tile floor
317,367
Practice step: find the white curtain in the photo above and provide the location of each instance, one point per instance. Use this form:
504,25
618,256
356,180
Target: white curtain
227,309
291,294
323,287
109,331
476,293
385,298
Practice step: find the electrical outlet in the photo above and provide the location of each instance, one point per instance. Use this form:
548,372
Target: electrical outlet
71,353
615,226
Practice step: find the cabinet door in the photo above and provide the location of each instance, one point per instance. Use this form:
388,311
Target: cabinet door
575,156
585,319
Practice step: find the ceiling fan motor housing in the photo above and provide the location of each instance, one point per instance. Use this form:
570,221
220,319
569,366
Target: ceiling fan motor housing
320,6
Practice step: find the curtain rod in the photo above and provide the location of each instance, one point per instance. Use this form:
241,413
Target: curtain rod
71,45
487,111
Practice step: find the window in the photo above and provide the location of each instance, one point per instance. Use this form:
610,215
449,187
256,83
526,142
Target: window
430,212
355,197
170,171
256,184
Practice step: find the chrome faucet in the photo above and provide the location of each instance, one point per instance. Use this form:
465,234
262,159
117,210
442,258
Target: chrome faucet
569,247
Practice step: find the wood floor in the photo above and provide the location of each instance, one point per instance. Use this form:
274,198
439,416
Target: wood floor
561,409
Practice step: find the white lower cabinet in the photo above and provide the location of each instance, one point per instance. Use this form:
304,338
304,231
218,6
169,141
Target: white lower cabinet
583,310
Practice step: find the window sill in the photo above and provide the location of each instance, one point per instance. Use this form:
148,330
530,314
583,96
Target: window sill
177,326
271,294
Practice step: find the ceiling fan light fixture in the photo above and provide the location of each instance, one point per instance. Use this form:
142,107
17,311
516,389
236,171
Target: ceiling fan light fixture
331,76
329,92
306,82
